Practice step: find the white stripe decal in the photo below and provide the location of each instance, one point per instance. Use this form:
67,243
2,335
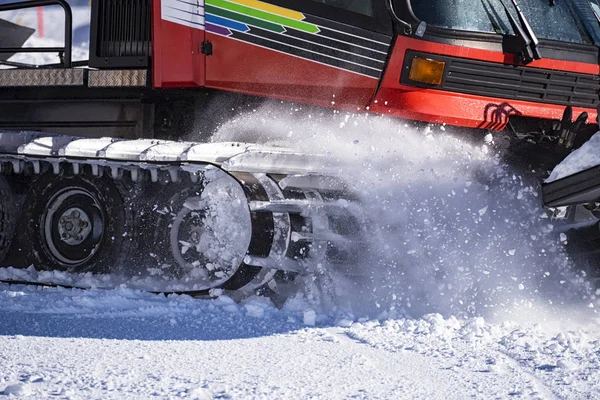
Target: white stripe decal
184,12
191,13
302,58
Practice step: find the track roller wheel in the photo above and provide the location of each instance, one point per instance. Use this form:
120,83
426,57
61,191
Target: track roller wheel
78,224
7,217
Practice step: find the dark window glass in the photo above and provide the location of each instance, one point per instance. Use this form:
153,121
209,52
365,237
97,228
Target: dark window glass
558,22
364,7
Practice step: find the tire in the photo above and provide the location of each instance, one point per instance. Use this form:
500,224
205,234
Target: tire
7,218
78,224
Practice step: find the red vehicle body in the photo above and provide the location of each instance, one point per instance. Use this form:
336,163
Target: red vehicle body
238,66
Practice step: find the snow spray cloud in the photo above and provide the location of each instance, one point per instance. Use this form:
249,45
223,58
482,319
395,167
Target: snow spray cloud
453,230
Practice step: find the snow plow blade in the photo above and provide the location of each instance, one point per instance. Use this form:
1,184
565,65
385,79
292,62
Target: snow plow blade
580,188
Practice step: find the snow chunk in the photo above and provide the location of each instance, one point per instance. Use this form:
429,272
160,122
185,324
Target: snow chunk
566,364
310,317
200,394
256,307
344,323
18,390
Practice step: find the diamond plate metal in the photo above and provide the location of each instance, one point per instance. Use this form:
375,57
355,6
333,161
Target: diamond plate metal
41,77
118,78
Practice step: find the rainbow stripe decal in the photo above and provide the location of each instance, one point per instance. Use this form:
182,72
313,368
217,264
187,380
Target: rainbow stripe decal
254,13
284,30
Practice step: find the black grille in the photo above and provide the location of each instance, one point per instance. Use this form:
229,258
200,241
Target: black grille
513,82
121,33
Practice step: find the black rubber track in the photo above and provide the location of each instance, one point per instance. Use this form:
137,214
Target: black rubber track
7,217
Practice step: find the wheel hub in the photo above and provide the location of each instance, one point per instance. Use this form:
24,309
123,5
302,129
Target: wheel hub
74,226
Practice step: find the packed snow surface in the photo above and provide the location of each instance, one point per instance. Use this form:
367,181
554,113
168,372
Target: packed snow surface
125,344
585,157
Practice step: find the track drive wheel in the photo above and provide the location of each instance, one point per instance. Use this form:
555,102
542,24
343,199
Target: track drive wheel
78,224
204,239
7,217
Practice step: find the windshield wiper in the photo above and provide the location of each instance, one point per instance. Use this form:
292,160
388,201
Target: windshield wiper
529,41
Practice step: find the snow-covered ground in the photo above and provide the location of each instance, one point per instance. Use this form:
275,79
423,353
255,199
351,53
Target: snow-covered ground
123,344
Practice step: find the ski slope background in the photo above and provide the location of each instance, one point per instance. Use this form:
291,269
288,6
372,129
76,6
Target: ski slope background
51,21
467,292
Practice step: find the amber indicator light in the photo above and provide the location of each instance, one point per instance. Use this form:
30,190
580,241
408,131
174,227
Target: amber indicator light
426,70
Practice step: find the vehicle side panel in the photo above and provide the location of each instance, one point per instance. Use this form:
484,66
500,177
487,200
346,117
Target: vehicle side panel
178,32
